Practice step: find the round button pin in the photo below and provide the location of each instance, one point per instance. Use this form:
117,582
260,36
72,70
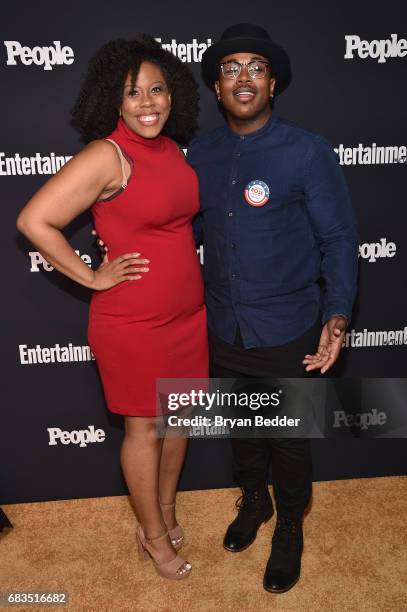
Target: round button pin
257,193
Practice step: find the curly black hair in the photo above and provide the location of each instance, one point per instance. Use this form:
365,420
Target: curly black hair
95,113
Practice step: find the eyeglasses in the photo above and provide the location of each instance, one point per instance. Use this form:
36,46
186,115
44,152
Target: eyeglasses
257,69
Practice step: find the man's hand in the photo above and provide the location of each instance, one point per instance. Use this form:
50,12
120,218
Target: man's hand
329,346
102,247
123,268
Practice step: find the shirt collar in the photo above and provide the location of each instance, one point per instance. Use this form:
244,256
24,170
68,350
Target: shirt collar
268,126
126,132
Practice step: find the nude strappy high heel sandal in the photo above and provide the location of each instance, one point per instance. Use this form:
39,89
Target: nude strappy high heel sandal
176,533
167,569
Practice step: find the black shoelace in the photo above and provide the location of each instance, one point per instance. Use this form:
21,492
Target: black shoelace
287,531
253,500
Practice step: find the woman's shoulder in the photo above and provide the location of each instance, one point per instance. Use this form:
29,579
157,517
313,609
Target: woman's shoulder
97,156
101,146
99,151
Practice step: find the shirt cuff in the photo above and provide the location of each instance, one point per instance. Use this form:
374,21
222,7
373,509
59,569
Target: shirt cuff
336,314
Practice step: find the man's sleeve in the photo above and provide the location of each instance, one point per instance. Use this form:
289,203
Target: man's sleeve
197,222
334,224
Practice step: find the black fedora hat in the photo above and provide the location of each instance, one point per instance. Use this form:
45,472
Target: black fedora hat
246,37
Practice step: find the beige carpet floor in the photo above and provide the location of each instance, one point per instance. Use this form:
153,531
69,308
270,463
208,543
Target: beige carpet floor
355,556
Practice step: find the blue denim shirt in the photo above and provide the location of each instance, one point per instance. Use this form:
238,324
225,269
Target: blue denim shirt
263,264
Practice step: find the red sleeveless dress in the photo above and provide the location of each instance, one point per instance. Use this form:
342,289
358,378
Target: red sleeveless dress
154,327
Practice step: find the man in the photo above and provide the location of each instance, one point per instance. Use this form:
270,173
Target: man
275,218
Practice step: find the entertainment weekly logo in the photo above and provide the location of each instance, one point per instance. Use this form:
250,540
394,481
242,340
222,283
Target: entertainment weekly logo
370,155
45,355
47,57
186,51
367,338
20,165
380,50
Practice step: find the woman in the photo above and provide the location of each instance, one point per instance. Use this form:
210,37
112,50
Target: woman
143,197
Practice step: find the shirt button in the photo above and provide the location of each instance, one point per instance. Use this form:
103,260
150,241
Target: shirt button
230,214
238,154
233,182
233,245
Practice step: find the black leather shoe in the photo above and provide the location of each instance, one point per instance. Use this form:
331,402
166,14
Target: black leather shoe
284,565
255,507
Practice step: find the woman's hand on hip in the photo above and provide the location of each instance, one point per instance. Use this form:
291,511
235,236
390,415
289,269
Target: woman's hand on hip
128,267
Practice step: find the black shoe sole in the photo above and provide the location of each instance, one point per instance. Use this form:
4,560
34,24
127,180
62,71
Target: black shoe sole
237,550
281,590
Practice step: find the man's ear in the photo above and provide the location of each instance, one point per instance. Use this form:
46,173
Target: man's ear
272,87
217,89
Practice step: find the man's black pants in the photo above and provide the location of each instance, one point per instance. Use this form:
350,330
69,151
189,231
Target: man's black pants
291,460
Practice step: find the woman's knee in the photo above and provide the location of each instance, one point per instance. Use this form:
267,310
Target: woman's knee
144,428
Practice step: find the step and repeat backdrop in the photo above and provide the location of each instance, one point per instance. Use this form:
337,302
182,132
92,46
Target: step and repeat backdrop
349,60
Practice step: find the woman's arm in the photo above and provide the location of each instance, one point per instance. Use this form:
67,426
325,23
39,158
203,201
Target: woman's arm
83,180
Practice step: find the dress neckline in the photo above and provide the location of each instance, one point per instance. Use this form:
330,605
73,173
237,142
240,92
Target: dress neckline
126,132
